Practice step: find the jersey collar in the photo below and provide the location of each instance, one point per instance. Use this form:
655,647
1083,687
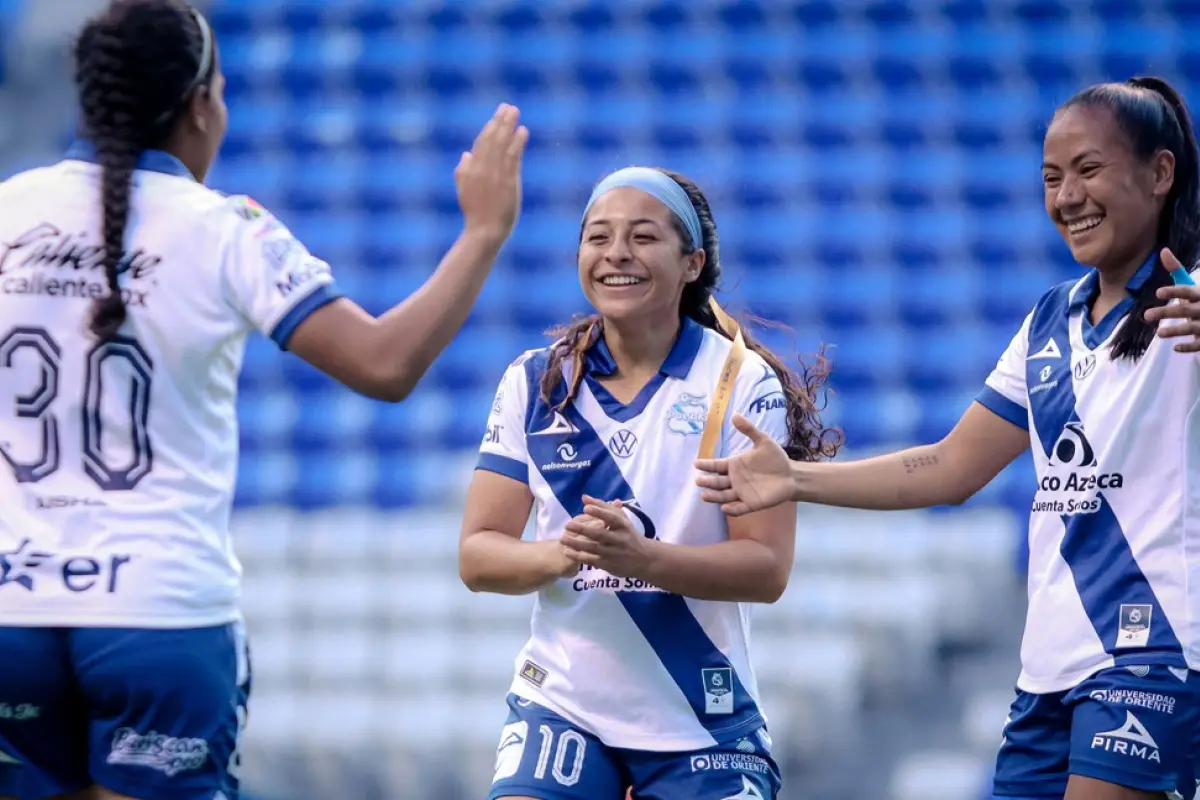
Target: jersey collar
150,160
599,359
1088,287
1095,335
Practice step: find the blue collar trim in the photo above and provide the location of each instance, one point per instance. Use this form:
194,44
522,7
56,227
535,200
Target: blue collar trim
678,363
1091,283
150,160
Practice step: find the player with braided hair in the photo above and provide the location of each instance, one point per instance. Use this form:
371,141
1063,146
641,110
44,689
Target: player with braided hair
122,327
637,671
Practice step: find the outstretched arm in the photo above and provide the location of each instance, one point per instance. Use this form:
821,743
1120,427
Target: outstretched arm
946,473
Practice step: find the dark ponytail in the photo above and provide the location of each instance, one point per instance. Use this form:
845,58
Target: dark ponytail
136,65
1153,115
808,439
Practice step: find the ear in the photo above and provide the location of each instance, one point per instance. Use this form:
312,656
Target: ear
695,265
1163,165
198,108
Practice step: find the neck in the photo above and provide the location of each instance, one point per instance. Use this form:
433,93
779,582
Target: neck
643,346
1113,280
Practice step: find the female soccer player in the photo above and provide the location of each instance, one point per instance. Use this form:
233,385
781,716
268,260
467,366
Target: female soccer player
1108,700
637,671
122,658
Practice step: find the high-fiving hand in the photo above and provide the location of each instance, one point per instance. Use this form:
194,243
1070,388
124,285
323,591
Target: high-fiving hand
759,478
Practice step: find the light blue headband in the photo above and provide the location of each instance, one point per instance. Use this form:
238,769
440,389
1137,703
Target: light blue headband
659,186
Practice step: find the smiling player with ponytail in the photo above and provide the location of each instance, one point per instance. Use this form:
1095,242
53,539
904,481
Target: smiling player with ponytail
1108,699
639,646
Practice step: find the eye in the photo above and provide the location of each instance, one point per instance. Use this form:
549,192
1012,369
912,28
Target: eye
1088,170
596,238
1051,180
644,238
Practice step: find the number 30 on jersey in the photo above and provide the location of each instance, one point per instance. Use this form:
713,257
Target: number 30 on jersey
37,407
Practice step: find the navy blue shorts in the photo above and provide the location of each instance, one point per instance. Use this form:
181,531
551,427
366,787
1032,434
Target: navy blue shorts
542,755
1136,726
154,714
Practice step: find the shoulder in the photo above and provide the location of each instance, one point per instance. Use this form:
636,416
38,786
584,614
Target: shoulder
1059,297
46,179
529,366
241,213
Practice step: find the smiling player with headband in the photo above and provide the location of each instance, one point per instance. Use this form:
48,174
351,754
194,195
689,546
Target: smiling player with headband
637,670
1108,698
127,292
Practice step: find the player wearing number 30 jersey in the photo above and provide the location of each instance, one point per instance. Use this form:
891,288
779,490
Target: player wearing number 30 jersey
127,290
637,671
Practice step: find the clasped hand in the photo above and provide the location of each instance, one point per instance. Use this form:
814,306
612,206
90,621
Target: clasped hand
603,537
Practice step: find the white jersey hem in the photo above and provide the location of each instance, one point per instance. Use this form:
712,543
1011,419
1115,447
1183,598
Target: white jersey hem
652,743
28,619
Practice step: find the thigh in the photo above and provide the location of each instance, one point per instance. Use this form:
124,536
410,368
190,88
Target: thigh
1035,752
740,770
544,757
1136,727
167,709
43,723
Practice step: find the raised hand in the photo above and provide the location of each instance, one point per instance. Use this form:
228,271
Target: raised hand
754,480
488,178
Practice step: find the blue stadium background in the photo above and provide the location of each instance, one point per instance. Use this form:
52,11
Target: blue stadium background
874,169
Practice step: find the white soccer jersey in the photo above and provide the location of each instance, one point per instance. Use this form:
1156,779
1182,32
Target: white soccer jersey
119,459
636,666
1114,533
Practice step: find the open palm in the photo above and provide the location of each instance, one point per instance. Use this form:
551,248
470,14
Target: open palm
759,478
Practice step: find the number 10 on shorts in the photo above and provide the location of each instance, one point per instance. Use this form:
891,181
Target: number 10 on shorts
561,756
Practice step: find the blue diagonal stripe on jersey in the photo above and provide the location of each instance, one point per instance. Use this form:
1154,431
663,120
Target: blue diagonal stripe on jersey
664,619
1094,546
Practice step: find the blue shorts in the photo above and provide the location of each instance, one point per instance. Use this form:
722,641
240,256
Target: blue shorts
542,755
154,714
1135,726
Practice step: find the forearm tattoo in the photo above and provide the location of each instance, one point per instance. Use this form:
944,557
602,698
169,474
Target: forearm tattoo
914,463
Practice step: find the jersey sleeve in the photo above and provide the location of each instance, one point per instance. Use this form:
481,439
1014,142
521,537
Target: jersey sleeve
503,449
270,277
759,398
1005,391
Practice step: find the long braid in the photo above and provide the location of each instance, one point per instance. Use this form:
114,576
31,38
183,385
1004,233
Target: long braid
136,65
110,108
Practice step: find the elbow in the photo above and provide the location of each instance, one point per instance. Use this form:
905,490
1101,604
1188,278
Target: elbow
388,384
771,587
468,573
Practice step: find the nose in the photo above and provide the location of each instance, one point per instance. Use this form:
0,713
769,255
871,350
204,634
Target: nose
617,251
1069,195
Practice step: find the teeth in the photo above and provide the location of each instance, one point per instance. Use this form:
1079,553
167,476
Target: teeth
1081,225
620,280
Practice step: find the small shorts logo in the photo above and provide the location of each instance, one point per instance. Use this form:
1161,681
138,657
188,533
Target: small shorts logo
533,673
700,763
167,754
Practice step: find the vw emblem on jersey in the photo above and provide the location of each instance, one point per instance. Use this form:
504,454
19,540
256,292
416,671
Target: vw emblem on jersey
567,452
1084,366
622,443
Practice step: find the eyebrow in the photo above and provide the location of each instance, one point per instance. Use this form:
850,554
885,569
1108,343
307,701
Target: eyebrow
639,221
1075,160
